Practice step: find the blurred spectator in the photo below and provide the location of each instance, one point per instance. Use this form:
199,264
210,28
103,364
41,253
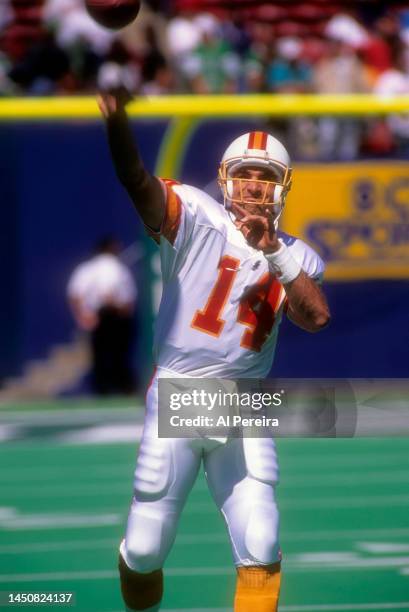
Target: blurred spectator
161,83
73,25
119,70
395,81
213,66
85,43
41,69
6,86
137,37
102,294
6,14
287,72
183,36
153,57
340,71
256,56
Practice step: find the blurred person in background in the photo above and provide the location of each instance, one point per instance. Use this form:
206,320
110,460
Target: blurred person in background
84,42
119,70
287,72
102,295
213,66
162,81
394,82
340,71
33,63
150,28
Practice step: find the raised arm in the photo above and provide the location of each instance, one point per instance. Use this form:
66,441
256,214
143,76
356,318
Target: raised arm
146,191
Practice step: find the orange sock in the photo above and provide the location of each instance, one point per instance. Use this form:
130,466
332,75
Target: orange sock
140,591
257,588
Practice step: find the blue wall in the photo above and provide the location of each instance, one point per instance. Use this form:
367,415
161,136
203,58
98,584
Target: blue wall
59,194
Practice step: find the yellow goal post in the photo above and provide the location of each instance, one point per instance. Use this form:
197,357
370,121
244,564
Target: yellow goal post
55,108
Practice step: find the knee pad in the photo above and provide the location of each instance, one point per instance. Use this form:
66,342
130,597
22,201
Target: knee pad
261,536
140,591
154,469
144,545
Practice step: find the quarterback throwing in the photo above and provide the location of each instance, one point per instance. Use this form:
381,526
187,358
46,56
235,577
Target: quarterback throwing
229,275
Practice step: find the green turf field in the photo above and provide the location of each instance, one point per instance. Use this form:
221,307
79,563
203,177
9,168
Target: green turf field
344,508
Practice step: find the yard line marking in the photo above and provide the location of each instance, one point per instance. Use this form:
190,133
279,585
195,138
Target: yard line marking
110,574
334,503
7,513
184,572
68,490
187,539
125,476
383,547
342,534
68,416
61,471
42,472
56,576
363,501
107,433
290,482
40,547
62,521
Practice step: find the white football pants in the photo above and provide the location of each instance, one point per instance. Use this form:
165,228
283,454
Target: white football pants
241,475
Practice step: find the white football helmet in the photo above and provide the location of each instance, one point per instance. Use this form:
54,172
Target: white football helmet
262,150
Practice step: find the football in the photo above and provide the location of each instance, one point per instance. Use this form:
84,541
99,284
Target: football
113,14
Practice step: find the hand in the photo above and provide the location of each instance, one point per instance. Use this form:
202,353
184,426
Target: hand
111,102
258,229
108,104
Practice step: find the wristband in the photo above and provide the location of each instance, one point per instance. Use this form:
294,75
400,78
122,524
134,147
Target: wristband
283,265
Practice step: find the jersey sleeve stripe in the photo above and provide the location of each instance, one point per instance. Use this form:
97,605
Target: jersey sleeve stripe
173,213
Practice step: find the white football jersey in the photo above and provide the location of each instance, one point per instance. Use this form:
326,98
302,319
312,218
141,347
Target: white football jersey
221,308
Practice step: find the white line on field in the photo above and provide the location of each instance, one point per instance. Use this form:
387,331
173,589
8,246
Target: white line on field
203,539
335,503
53,520
73,489
383,547
319,480
60,472
68,416
185,572
40,547
312,480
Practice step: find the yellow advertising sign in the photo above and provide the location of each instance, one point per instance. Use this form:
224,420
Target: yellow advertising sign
356,216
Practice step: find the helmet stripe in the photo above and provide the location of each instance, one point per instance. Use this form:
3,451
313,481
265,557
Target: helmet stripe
257,140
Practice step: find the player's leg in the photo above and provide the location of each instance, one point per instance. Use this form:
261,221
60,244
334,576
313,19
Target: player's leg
165,473
242,475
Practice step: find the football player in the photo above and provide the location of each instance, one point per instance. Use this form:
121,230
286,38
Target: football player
228,274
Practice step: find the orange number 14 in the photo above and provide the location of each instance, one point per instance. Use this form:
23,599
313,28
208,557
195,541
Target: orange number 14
257,309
